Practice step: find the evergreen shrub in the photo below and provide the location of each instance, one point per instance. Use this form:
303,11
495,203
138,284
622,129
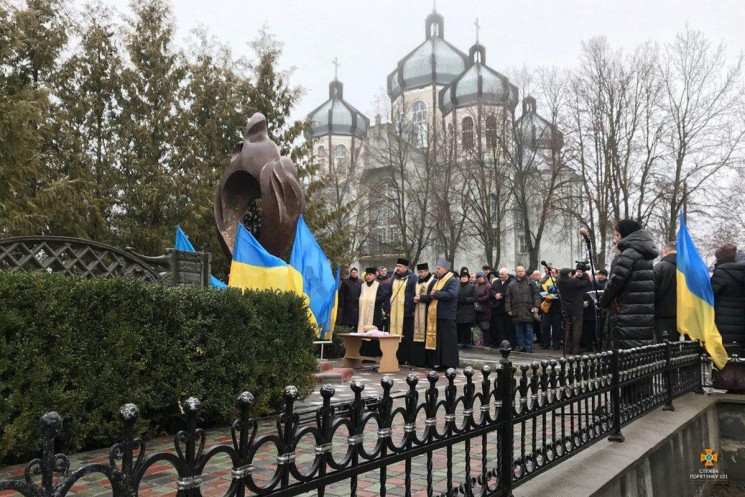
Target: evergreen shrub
85,347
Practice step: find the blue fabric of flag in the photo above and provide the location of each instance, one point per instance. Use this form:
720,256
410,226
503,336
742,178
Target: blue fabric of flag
319,283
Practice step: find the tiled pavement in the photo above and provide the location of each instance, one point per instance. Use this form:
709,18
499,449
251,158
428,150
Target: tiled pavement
160,479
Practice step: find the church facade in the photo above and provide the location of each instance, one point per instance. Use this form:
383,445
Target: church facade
452,171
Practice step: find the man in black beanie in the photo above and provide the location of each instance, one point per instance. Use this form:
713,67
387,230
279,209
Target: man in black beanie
629,295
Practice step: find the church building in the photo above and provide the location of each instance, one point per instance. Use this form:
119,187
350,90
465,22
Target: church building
452,130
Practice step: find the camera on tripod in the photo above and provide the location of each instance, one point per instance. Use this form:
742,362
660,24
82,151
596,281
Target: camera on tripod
582,265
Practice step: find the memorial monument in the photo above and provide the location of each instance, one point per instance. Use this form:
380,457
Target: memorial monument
257,172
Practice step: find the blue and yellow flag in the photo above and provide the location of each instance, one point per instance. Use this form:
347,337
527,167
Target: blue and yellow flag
256,269
696,298
183,244
319,283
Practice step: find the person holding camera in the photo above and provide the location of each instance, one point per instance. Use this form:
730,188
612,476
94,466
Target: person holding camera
573,285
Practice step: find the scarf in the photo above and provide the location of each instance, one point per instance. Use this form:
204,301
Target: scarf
367,304
398,299
431,342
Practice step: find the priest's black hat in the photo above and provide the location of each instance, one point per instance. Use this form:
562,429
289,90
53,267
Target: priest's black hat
371,270
422,267
403,262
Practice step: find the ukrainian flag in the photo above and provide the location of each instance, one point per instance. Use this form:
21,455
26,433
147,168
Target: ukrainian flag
696,298
319,283
256,269
183,244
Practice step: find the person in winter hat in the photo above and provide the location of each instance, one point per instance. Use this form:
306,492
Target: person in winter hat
728,284
629,295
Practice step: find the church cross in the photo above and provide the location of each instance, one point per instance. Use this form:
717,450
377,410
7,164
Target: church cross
434,5
336,68
477,29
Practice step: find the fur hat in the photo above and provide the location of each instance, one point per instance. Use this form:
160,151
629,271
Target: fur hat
444,264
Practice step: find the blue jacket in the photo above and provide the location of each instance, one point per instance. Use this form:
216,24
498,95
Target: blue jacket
447,299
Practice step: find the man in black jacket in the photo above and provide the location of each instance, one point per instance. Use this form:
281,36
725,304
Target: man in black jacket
501,327
573,285
349,299
665,296
629,296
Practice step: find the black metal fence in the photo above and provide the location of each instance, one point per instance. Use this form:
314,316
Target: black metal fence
506,430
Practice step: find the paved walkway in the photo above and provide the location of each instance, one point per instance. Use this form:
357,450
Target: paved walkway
160,480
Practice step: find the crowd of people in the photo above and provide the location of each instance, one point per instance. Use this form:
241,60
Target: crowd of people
437,313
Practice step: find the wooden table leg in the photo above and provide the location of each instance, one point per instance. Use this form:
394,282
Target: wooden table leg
389,361
352,358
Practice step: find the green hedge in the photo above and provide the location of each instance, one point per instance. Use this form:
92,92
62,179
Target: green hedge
85,347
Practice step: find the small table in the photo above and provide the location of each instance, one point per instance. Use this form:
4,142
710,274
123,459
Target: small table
388,363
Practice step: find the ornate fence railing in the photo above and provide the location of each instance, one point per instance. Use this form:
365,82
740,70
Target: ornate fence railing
506,430
88,259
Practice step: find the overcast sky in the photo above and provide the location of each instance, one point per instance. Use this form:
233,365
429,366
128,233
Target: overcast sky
370,36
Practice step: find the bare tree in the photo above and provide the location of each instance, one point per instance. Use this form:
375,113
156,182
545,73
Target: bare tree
614,136
485,169
340,209
704,98
449,192
404,165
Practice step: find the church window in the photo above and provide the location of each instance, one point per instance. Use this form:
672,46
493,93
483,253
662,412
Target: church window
467,132
491,132
322,154
340,158
522,244
419,118
519,221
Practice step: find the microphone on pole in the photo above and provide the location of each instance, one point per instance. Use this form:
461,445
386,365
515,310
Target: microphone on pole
585,234
543,263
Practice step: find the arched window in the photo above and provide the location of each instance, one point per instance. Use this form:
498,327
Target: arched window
321,152
467,133
419,118
491,132
340,158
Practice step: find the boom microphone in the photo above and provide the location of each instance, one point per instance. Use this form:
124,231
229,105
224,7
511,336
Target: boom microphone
543,263
585,235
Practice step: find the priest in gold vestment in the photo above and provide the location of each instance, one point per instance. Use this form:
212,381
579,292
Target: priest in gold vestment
401,305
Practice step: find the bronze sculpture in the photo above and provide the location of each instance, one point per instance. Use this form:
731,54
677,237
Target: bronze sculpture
258,172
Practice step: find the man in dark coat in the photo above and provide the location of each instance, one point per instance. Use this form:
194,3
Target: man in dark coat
573,285
728,283
665,293
442,338
589,321
401,306
601,279
629,295
466,312
501,327
349,299
521,303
